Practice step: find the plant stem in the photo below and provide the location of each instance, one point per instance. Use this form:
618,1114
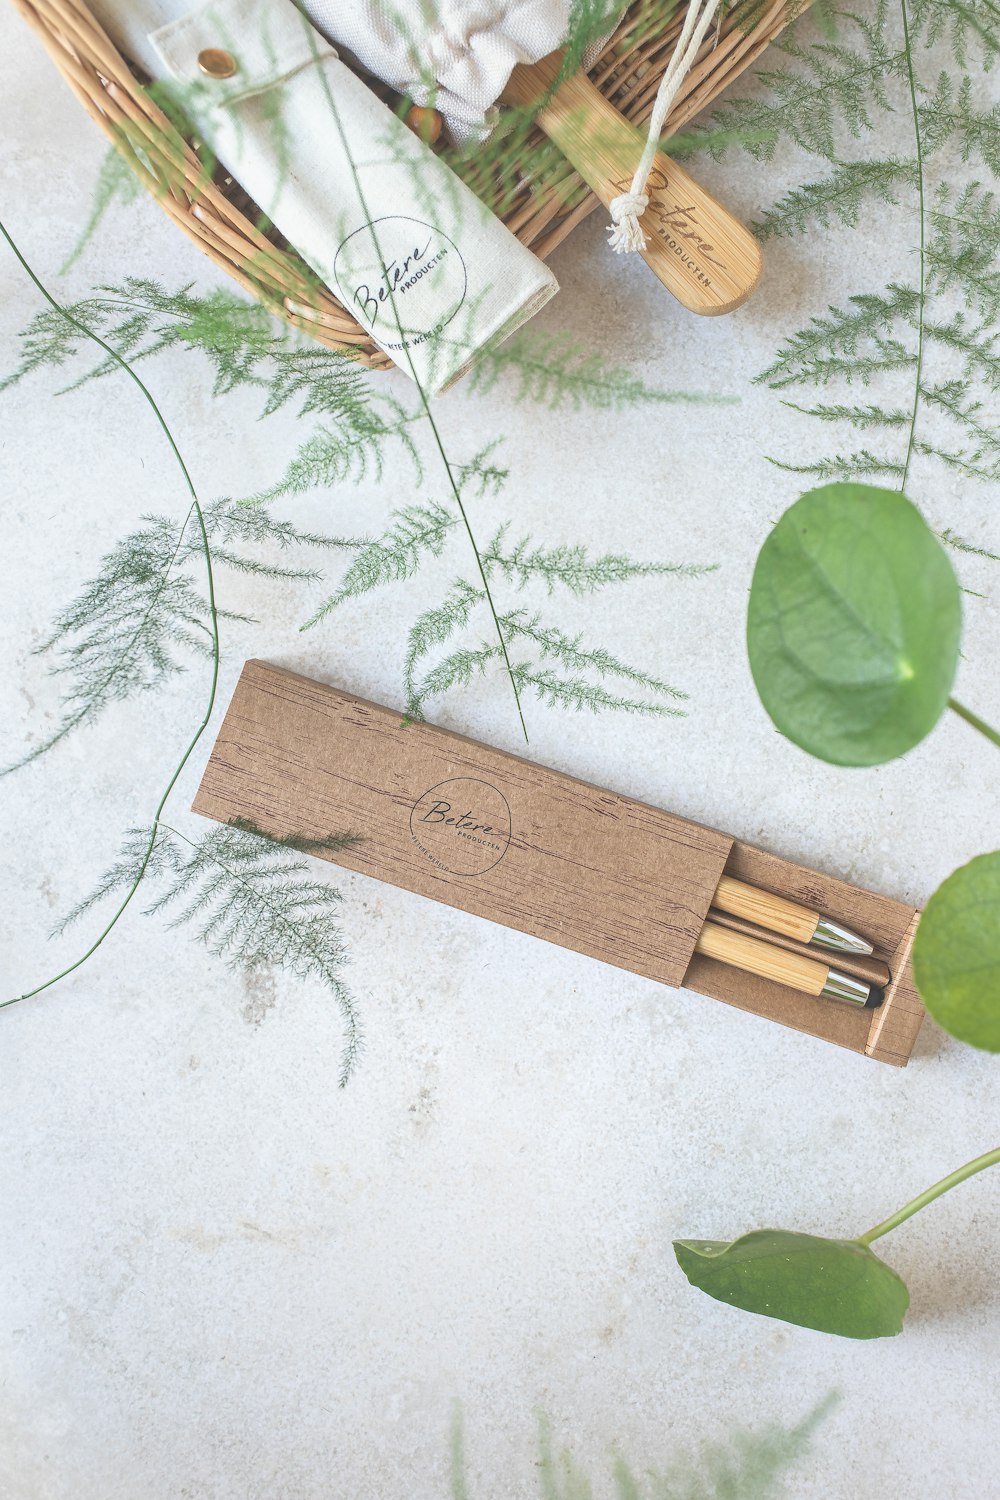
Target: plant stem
425,402
113,353
974,720
479,561
213,612
979,1164
920,186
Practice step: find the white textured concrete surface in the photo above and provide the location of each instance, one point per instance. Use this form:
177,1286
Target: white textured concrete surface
223,1278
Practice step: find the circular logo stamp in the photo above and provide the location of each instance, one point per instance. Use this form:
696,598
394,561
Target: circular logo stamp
402,278
462,826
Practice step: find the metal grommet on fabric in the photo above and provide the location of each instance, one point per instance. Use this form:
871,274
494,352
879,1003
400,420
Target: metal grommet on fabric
217,62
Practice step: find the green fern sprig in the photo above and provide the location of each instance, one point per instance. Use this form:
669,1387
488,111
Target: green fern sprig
317,381
351,452
577,681
414,532
231,522
949,117
572,567
980,457
855,342
116,183
832,88
865,416
968,25
456,670
961,545
576,694
963,249
247,349
138,319
417,532
878,336
515,153
841,197
480,476
860,463
743,1466
212,620
551,643
432,628
552,370
133,624
976,343
144,852
249,899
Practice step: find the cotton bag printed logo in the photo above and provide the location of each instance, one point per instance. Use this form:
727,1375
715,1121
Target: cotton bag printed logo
403,279
462,825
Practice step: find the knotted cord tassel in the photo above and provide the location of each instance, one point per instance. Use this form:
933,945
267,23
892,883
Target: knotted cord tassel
625,230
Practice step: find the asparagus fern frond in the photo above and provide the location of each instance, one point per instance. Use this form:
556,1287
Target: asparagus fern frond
252,901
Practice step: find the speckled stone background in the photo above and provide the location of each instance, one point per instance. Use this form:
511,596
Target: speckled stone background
223,1278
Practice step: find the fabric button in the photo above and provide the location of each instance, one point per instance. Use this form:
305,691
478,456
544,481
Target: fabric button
217,63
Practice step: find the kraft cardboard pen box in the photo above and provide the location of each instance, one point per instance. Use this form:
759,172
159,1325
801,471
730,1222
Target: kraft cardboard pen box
517,843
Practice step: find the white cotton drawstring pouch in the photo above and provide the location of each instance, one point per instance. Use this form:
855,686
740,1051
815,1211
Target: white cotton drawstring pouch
454,55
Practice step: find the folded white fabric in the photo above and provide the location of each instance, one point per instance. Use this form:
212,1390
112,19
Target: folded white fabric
409,250
454,54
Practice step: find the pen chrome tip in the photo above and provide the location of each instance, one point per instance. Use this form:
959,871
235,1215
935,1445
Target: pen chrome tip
842,939
842,987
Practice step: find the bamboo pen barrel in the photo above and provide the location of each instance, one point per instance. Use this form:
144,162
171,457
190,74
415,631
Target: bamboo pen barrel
756,957
765,909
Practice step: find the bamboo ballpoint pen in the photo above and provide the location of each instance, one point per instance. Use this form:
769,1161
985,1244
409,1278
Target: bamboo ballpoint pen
810,975
787,917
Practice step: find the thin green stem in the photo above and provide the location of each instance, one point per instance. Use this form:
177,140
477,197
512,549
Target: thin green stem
923,232
213,611
425,402
479,561
988,1159
974,720
113,353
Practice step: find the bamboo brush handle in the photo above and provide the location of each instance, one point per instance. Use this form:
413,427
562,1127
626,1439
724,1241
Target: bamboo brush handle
765,909
704,256
755,957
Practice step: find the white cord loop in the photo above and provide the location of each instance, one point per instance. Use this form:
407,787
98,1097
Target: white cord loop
627,209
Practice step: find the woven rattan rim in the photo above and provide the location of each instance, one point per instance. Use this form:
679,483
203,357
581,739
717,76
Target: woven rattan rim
216,214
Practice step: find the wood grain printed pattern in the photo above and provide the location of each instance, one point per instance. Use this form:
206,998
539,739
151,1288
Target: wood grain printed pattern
473,827
520,844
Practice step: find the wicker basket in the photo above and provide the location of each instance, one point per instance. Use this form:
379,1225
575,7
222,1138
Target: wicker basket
220,218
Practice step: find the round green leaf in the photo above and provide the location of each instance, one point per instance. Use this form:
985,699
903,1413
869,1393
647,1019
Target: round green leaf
956,955
853,625
837,1286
